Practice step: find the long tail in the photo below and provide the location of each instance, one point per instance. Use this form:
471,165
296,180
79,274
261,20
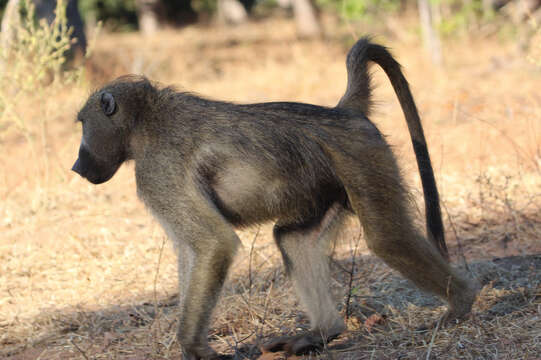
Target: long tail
357,97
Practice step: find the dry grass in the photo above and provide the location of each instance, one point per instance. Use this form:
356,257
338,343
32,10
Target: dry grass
86,273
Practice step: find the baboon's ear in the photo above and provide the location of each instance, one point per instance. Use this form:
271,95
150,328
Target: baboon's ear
108,104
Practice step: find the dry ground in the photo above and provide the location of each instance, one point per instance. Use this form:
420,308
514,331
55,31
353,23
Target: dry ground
85,273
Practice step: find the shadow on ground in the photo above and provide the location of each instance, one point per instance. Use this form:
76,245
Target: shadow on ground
375,290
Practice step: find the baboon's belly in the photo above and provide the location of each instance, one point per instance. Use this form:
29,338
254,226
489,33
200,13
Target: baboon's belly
247,195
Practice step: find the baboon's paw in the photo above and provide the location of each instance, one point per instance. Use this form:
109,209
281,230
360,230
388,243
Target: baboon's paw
301,344
452,318
200,352
460,309
276,344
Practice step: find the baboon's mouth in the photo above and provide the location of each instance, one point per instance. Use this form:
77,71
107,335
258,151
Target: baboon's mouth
93,178
92,170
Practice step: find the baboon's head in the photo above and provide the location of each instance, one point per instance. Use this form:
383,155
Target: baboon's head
107,119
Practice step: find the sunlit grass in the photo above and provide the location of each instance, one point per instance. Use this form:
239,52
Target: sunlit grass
79,263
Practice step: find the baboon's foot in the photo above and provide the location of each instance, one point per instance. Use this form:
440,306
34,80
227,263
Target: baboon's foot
200,353
459,310
460,305
301,344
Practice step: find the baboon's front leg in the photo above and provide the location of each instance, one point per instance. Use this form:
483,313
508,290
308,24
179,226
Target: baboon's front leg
206,280
212,243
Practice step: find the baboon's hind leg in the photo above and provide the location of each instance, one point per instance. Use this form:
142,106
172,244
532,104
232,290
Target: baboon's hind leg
381,202
304,248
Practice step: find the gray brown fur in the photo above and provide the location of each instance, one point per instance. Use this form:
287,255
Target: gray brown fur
205,167
357,97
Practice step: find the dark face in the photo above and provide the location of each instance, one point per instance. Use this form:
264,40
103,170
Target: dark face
103,145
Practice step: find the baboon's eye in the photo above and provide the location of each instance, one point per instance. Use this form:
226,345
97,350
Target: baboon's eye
108,103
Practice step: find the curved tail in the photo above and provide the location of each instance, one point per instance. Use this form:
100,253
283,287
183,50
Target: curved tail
357,97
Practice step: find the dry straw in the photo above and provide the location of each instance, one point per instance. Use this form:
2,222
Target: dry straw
86,274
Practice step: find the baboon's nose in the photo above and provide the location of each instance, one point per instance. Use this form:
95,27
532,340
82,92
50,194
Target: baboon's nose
77,167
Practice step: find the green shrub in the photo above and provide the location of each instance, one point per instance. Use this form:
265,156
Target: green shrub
38,50
116,14
33,61
359,9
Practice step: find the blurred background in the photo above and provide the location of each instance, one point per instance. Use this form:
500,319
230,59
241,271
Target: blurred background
86,273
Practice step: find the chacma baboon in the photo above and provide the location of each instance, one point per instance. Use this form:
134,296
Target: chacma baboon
204,167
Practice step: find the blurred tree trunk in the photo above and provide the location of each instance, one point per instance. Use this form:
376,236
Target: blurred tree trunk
10,22
153,15
431,37
304,11
306,18
44,9
150,15
232,12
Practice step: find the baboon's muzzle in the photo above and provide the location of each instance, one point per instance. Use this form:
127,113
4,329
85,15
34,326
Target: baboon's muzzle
90,169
